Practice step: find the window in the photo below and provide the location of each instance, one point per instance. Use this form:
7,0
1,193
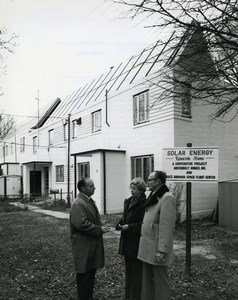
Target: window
83,170
59,173
22,144
186,99
142,166
74,129
6,150
141,107
12,148
51,137
97,120
35,144
65,131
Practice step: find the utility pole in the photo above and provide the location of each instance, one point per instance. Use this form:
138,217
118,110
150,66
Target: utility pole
4,151
15,138
38,114
68,168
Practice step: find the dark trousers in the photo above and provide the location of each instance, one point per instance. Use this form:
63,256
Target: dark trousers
133,278
85,284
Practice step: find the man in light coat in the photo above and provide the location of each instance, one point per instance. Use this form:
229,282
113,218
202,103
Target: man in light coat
86,239
156,241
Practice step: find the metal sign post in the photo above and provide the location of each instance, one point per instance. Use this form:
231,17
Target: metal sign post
188,223
188,227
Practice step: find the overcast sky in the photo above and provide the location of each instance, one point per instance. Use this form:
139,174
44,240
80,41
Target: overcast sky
62,45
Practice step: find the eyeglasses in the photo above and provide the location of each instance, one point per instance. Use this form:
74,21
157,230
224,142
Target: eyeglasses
152,179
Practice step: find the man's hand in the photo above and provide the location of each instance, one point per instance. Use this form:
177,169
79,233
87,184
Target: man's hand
105,229
160,257
125,227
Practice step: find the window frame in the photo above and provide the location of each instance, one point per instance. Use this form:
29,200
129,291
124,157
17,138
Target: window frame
59,173
6,150
65,129
137,108
96,127
50,137
142,172
74,129
34,144
22,144
12,147
83,165
186,100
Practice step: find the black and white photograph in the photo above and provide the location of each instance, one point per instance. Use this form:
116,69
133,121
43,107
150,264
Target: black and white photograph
119,150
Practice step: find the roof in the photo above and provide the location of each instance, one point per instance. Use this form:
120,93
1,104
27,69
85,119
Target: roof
151,60
148,61
47,114
37,162
96,150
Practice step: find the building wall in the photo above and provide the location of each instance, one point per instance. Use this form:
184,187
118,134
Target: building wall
10,186
96,173
116,191
26,176
202,131
119,133
228,205
11,169
2,186
13,186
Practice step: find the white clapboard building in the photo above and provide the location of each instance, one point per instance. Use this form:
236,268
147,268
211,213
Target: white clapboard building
115,127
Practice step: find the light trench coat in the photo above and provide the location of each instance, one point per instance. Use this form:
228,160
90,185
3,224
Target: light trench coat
157,232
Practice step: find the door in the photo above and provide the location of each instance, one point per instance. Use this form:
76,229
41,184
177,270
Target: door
46,181
35,183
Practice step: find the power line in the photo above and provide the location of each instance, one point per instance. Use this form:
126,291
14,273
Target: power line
11,115
32,117
31,145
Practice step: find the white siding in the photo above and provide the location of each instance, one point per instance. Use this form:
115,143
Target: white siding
201,131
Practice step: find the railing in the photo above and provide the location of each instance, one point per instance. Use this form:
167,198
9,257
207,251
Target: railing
11,197
37,197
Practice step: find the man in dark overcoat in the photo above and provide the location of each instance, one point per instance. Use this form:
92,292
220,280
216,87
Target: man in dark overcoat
86,239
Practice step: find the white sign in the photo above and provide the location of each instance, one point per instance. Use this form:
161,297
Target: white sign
191,164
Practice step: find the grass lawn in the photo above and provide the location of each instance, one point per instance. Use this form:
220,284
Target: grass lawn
36,261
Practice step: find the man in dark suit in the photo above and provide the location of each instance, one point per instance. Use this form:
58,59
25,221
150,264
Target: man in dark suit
86,239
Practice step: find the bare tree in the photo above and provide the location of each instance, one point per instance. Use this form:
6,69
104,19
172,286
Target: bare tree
7,45
6,124
208,68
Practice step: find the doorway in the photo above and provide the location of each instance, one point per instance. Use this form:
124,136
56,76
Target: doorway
35,183
46,180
